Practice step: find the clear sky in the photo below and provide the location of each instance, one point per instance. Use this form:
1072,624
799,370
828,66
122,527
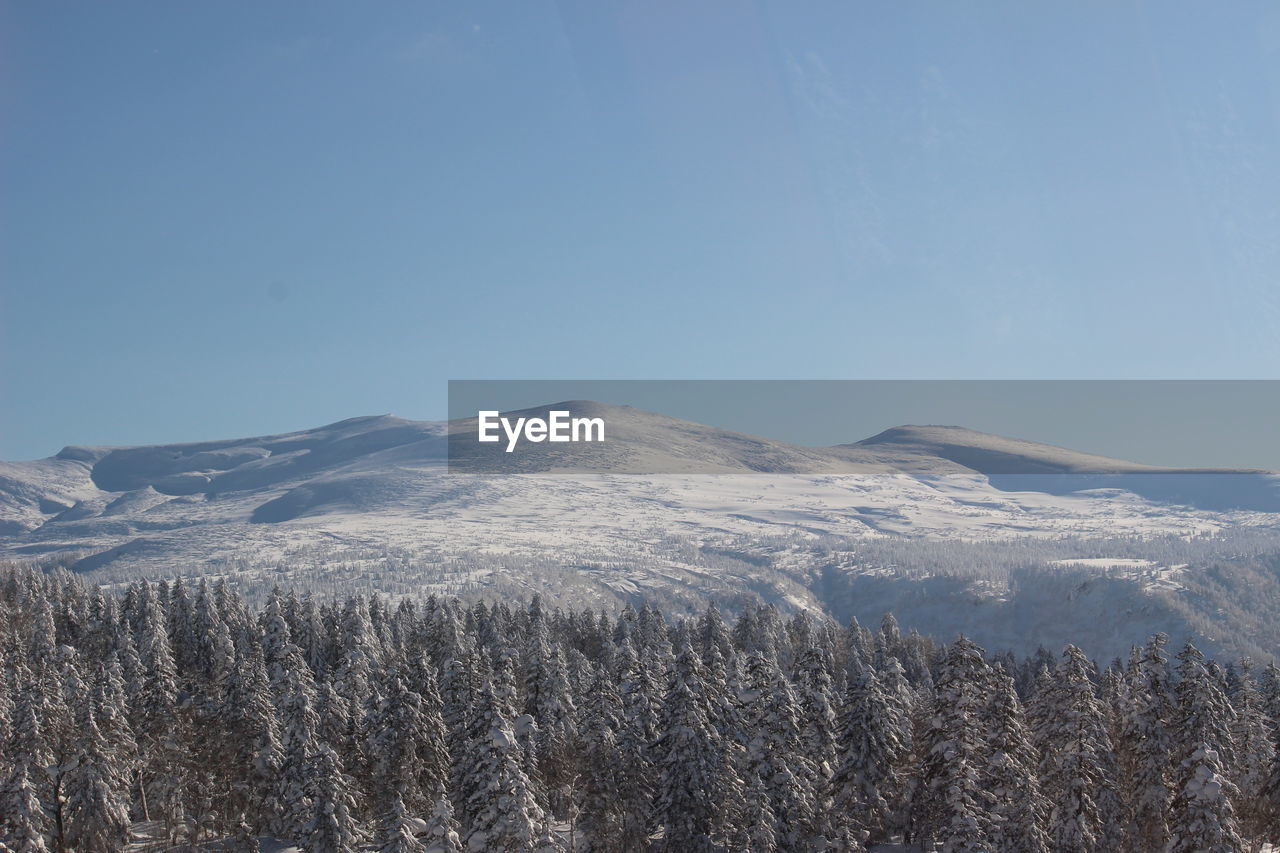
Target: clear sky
221,219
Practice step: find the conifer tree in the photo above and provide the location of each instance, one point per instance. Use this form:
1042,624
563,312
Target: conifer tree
162,748
697,786
549,703
721,674
407,757
1205,715
859,645
951,807
759,823
1146,746
1077,771
96,814
332,827
396,832
714,638
24,824
442,830
1010,775
456,699
1202,819
298,746
1269,687
600,798
281,656
1255,751
1202,816
250,739
637,732
888,643
774,752
1268,805
816,703
871,750
504,815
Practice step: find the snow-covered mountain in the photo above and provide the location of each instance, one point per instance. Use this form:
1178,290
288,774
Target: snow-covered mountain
1015,542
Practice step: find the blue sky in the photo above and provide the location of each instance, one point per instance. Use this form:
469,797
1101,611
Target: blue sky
238,218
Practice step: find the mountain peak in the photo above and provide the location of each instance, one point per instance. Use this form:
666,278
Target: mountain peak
989,454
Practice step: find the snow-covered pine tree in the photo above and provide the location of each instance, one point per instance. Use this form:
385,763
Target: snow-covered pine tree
1255,750
356,685
816,706
907,705
871,752
1077,772
550,703
745,635
816,703
1268,805
97,808
407,745
336,727
774,753
1010,774
332,828
24,824
1039,708
280,654
29,753
441,835
721,663
112,709
950,806
1113,693
1201,816
164,754
600,800
396,729
917,652
888,643
759,823
549,708
637,732
180,628
298,746
1146,746
505,690
249,738
7,688
1269,687
395,834
1202,819
504,813
859,645
457,696
1205,715
715,641
697,785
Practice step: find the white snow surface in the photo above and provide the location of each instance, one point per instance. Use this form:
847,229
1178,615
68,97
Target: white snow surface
369,503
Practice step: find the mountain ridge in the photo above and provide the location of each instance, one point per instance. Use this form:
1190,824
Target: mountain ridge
896,521
35,492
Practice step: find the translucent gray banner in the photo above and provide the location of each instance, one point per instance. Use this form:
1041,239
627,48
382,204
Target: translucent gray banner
1174,440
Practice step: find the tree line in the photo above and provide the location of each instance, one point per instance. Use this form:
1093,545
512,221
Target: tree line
430,725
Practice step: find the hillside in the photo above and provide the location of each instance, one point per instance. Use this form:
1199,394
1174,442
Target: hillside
1010,540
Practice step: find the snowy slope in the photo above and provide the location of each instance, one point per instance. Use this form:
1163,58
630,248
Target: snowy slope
952,529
